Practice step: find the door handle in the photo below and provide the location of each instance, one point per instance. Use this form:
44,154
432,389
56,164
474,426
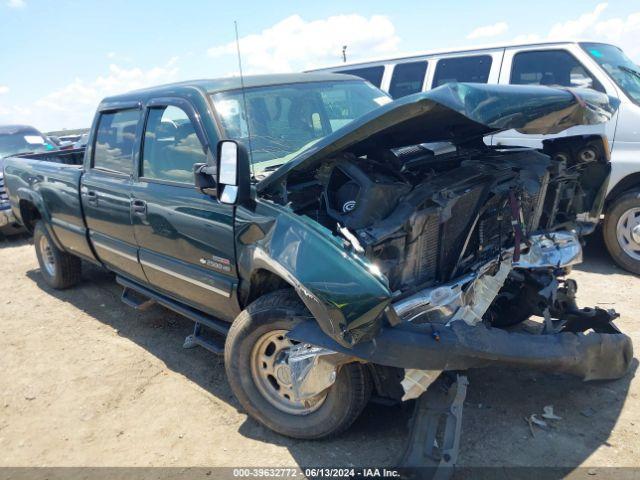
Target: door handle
139,207
92,197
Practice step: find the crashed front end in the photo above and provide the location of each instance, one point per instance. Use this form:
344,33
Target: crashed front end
467,241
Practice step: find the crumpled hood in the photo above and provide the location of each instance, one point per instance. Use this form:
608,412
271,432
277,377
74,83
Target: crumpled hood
459,113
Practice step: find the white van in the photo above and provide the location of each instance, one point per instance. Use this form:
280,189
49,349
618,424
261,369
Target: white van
599,66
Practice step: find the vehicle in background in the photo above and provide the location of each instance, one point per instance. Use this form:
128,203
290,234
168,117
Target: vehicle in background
305,220
53,140
82,141
599,66
71,139
14,140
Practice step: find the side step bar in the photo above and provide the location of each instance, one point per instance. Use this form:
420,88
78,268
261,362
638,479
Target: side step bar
140,298
196,339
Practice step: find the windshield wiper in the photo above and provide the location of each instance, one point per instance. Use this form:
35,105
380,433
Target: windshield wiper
271,168
630,70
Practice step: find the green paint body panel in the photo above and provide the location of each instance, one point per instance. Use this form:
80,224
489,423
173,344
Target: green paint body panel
337,285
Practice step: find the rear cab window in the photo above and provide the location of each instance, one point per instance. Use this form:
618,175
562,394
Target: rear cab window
551,67
372,75
407,78
115,141
171,146
473,69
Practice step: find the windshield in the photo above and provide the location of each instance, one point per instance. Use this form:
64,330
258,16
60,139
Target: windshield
22,142
619,67
286,119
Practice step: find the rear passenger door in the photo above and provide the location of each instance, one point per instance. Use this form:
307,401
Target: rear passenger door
185,237
106,188
551,66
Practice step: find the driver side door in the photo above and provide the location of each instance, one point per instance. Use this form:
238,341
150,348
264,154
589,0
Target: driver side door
185,238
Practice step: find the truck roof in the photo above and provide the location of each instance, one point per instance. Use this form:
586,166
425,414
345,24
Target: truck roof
230,83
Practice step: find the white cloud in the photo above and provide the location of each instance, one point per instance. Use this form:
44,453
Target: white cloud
74,105
489,31
579,27
297,44
621,31
3,89
16,4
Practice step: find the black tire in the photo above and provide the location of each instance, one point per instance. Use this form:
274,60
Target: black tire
345,399
67,268
622,205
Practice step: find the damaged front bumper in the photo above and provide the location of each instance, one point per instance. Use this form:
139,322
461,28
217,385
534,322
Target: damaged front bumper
459,346
442,328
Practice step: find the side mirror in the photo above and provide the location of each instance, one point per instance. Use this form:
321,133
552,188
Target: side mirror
233,172
205,178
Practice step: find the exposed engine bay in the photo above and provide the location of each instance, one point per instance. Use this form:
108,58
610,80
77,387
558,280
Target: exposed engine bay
484,235
426,215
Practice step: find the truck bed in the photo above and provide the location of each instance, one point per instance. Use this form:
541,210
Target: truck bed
49,184
68,157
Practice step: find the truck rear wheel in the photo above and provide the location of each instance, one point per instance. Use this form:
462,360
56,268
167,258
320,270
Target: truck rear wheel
59,269
254,350
622,231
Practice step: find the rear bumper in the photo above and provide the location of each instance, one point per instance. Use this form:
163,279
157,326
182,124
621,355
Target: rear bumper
590,356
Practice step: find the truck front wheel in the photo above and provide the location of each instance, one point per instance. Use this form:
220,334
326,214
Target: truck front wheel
255,361
622,231
59,269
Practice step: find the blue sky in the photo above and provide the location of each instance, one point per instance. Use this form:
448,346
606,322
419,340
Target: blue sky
58,59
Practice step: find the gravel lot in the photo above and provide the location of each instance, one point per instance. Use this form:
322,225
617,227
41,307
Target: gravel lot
87,381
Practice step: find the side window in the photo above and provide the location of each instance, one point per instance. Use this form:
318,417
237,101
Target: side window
115,140
370,74
463,69
407,78
171,146
551,67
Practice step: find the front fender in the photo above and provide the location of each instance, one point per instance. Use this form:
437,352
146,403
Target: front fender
346,296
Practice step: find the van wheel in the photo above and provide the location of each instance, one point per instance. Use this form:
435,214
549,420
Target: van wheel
253,357
59,269
622,231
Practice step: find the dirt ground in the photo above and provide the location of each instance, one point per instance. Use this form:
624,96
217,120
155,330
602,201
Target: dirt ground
87,381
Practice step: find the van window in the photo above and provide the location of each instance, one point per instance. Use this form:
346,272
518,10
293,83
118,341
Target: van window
551,67
407,78
115,140
370,74
463,69
171,146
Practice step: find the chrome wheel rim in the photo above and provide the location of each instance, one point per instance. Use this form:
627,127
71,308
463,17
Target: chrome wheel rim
628,232
272,375
46,252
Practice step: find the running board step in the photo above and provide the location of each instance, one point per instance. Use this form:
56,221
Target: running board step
135,300
196,339
216,325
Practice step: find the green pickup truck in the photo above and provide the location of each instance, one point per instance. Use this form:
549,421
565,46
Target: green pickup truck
333,243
